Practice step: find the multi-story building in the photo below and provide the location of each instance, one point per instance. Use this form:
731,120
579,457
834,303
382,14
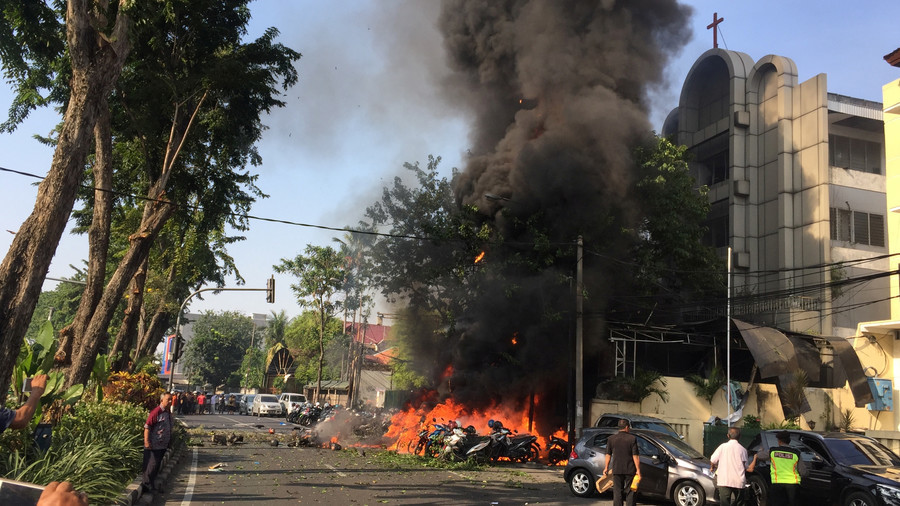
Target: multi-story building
797,187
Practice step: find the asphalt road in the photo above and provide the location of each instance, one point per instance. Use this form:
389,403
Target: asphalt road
256,472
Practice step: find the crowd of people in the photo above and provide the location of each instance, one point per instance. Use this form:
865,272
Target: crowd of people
200,403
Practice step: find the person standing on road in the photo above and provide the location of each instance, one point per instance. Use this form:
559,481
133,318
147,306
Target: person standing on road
785,471
622,453
201,402
157,436
20,418
729,462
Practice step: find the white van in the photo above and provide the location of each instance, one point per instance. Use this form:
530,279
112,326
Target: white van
290,402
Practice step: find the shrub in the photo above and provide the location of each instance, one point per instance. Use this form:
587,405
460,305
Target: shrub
97,447
752,422
140,389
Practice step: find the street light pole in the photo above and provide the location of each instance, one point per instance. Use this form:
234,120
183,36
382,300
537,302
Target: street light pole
181,310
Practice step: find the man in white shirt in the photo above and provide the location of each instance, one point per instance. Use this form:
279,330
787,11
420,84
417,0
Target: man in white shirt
729,461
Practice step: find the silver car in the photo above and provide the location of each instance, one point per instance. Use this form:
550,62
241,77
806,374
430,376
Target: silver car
246,404
670,468
265,405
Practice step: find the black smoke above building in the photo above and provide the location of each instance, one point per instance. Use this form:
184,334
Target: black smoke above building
558,92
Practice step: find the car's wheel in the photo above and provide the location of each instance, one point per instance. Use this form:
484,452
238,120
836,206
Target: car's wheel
689,493
759,490
859,499
581,483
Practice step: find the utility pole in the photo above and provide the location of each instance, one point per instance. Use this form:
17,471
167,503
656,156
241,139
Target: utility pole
579,339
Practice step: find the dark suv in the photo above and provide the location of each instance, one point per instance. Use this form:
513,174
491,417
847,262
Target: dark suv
637,422
835,468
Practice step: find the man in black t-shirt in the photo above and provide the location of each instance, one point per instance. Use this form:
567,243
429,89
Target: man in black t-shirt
622,453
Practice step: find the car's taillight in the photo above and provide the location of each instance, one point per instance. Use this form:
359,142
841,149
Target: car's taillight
573,455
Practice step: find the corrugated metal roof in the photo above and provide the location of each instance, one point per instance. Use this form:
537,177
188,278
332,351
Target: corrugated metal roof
855,106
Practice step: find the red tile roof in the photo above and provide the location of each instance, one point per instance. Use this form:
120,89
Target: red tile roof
368,334
893,57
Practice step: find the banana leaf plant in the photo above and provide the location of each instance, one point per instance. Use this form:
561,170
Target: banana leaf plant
37,358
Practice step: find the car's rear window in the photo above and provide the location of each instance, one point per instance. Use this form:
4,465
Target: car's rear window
268,398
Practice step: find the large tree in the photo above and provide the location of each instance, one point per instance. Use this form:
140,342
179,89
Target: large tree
186,117
33,38
320,274
301,337
218,347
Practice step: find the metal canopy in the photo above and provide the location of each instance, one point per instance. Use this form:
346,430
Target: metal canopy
773,351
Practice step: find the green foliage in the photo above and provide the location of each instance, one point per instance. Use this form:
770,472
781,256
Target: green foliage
707,387
846,422
36,357
752,422
252,369
302,339
438,275
784,424
218,347
672,261
97,447
320,273
635,388
793,396
409,462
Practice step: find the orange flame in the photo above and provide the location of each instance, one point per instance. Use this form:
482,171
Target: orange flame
515,338
480,257
402,434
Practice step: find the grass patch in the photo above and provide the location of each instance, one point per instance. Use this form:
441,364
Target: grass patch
406,461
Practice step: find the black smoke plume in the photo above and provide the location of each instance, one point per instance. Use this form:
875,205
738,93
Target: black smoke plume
558,92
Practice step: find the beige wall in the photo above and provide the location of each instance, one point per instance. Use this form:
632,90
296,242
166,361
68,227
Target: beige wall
687,413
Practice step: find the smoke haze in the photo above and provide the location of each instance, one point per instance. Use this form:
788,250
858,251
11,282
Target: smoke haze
558,90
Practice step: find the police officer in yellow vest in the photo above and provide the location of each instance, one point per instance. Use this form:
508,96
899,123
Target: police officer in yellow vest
785,471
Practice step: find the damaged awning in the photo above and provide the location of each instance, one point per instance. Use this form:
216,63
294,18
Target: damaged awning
779,356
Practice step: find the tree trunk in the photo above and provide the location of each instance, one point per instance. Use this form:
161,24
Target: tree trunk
156,212
321,350
98,235
96,64
126,336
153,334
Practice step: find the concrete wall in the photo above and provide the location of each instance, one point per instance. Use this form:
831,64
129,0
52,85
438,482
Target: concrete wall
687,413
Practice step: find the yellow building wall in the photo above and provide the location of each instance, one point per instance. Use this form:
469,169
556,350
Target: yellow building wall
891,101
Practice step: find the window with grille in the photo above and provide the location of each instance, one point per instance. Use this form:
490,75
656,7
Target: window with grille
857,227
856,154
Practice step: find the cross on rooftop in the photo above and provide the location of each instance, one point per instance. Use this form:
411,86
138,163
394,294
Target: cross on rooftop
715,28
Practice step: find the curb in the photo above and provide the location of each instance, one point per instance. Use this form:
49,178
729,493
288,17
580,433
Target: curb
134,494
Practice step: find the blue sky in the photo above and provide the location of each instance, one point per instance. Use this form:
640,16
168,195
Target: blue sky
368,100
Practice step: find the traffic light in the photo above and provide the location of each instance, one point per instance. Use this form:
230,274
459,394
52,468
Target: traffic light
270,290
177,348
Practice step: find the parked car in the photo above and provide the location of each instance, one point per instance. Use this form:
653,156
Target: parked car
246,404
835,468
637,422
290,401
670,468
265,405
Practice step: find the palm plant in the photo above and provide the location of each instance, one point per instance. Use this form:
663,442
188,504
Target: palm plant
707,387
646,383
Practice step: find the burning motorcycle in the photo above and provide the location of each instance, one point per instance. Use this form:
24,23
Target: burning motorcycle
558,451
458,442
518,448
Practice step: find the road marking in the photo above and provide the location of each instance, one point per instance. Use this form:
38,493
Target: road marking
342,475
189,491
